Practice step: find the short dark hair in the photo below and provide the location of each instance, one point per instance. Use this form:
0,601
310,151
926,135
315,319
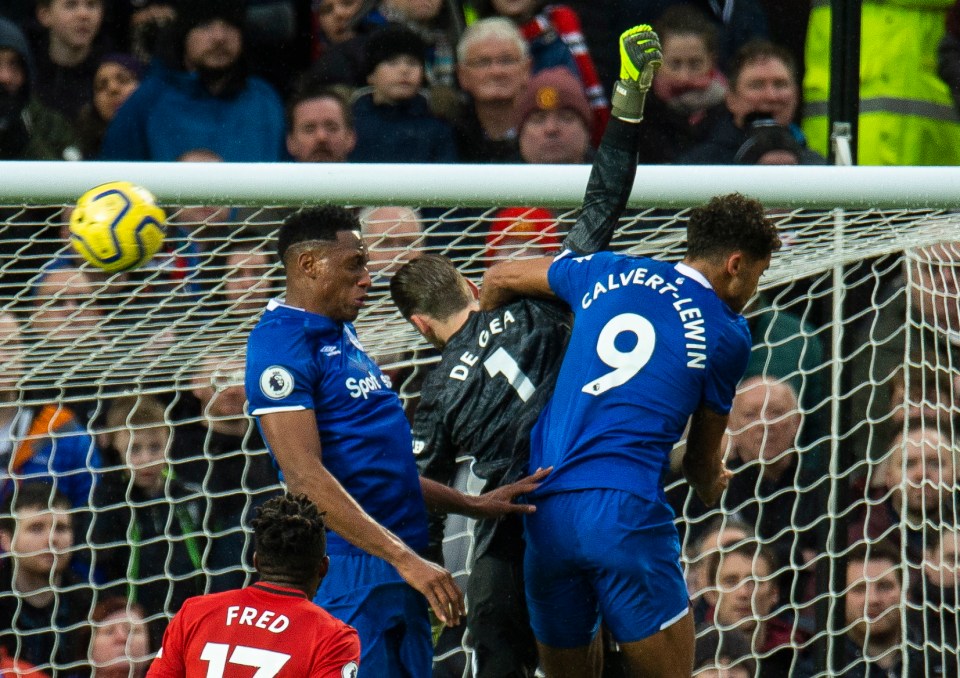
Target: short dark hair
714,645
429,284
760,50
731,223
686,19
748,550
308,92
289,538
880,550
30,495
314,223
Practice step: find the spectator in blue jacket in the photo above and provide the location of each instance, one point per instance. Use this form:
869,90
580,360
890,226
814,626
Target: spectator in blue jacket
44,443
200,95
392,118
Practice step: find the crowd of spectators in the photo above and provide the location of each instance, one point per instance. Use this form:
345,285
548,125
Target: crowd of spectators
151,491
443,80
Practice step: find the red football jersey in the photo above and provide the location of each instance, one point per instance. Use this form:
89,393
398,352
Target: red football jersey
261,631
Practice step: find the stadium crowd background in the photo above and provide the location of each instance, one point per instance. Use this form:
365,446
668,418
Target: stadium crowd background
444,81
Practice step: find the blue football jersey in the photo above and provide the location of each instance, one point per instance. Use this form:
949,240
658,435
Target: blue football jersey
298,360
651,343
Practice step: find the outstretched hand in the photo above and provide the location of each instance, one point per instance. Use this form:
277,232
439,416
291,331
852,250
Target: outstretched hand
500,501
437,585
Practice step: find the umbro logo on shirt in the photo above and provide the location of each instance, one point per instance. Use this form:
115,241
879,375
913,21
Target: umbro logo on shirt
330,350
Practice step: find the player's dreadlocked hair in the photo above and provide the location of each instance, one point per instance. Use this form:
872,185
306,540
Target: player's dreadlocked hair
430,284
312,224
731,223
290,538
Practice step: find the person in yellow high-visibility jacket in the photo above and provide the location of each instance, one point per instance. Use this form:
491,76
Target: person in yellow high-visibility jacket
907,116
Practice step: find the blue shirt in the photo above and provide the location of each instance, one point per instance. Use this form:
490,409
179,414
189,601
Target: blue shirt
298,360
651,343
171,112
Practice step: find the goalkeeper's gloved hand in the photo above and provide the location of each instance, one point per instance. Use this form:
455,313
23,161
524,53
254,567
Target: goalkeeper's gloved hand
640,57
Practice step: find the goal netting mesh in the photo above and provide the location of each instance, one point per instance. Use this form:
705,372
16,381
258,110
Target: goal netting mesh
842,436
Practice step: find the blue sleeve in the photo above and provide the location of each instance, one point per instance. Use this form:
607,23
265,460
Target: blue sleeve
280,372
727,366
571,277
126,137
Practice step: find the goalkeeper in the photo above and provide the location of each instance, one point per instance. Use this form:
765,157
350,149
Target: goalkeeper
497,371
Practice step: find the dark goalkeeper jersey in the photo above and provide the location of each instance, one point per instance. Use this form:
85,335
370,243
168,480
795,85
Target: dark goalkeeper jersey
498,371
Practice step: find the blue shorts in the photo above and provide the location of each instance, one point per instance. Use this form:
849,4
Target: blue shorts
607,554
389,615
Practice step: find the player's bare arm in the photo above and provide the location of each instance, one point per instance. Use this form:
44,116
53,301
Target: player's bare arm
508,280
501,501
703,465
295,442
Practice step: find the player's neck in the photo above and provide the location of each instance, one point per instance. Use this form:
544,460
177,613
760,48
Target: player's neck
445,329
302,588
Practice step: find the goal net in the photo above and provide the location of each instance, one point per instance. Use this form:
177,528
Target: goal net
842,438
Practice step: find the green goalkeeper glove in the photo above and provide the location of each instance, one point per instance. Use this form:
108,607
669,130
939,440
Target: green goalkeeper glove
640,57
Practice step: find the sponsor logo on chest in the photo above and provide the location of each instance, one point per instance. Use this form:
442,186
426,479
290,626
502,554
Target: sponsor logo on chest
361,387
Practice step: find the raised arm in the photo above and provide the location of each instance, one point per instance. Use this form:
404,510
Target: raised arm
615,165
295,442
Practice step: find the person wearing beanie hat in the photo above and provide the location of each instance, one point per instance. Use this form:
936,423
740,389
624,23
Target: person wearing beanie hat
553,119
197,12
393,120
117,77
768,144
763,82
389,43
521,232
199,94
28,129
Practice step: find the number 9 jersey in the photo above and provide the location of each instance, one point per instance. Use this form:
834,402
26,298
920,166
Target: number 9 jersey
651,343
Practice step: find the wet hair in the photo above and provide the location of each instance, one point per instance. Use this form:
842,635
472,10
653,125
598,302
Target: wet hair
688,20
760,50
731,223
431,285
31,495
289,538
313,224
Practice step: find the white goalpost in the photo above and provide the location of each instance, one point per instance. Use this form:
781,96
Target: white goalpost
859,316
